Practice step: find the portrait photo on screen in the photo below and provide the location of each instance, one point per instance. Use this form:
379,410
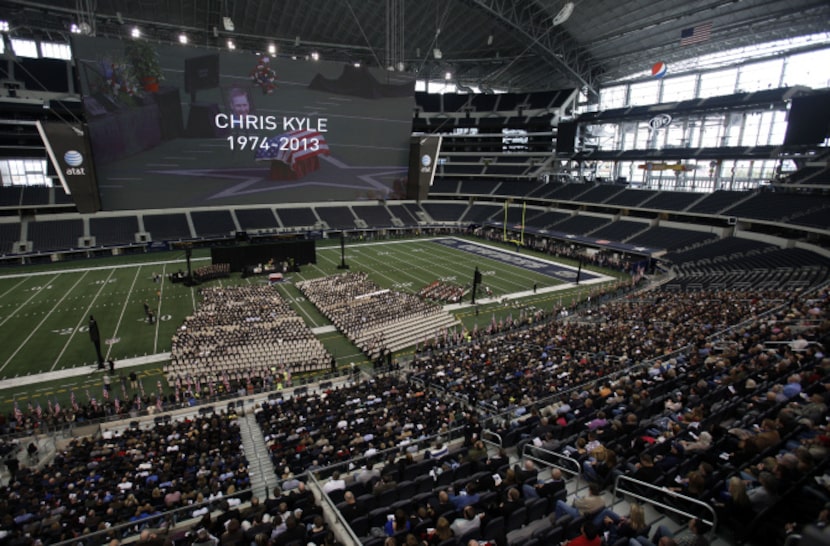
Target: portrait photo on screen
181,126
239,100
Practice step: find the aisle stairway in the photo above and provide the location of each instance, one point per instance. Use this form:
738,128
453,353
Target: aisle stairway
260,467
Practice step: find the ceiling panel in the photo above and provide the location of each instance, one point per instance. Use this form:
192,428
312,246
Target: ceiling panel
510,44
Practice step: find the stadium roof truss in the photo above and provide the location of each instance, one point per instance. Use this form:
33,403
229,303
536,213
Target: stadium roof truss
499,44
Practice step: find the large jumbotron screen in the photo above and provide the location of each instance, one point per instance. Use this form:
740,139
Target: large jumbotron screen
223,128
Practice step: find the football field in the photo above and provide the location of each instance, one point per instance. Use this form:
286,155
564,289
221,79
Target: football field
44,311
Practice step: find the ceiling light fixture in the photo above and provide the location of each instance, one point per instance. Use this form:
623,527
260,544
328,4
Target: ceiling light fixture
227,22
231,45
272,49
182,38
135,32
437,53
564,14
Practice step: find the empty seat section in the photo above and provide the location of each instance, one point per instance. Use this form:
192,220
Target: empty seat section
402,213
299,217
673,200
481,213
336,217
374,215
116,230
9,235
670,238
256,219
55,234
445,212
478,187
631,198
166,227
619,230
35,195
517,187
581,225
213,223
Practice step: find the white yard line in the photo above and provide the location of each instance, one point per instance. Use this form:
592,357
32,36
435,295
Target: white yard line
36,328
299,307
88,269
81,321
13,288
13,313
123,310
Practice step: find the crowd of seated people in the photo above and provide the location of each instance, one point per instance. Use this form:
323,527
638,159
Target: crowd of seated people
247,330
354,303
288,517
668,424
686,422
444,292
524,366
212,271
351,421
132,476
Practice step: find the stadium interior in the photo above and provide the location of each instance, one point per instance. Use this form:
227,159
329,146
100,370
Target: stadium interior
656,176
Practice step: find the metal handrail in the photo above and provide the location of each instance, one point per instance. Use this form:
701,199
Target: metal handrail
168,526
338,517
621,490
530,450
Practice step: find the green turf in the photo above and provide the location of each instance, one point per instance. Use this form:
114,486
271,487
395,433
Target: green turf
44,309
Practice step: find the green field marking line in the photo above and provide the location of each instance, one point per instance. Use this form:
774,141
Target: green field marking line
35,329
158,312
19,307
123,311
86,313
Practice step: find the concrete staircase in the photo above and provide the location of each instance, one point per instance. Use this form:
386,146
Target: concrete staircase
260,467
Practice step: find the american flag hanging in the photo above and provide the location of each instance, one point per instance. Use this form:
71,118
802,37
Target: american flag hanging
696,34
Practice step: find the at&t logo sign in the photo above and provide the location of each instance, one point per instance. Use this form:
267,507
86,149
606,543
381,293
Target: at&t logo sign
426,161
75,160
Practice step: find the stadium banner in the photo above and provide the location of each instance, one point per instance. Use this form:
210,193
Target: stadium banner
182,126
423,160
67,145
